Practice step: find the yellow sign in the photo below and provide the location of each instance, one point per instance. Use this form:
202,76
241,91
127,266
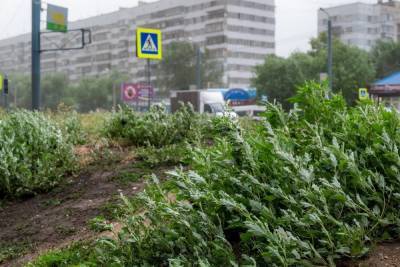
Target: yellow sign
57,18
148,43
1,83
363,94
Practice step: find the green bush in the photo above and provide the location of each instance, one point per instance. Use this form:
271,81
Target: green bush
34,154
303,188
155,128
306,188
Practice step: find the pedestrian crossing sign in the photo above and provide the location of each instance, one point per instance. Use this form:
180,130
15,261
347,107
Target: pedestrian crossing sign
149,43
363,94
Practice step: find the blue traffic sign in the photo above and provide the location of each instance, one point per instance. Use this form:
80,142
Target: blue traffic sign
149,43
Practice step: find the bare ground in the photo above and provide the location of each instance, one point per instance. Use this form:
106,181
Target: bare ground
60,217
383,255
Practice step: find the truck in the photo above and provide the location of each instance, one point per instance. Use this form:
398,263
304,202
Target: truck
202,102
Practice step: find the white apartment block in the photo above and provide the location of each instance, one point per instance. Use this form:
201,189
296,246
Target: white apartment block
238,34
362,24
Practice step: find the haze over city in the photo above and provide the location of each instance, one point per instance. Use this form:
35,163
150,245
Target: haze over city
295,20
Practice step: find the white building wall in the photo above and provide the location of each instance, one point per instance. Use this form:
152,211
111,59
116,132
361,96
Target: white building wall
362,24
239,34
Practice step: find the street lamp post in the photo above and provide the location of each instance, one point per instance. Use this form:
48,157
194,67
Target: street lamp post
36,9
330,50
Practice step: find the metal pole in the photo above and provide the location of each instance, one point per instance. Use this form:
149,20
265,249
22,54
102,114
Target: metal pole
148,82
6,101
330,50
36,9
330,55
198,67
6,92
15,96
114,97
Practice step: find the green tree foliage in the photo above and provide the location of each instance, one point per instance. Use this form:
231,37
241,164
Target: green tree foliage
386,57
352,67
87,95
177,70
54,89
96,92
278,77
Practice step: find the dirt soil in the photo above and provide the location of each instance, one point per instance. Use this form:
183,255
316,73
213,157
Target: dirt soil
383,255
56,219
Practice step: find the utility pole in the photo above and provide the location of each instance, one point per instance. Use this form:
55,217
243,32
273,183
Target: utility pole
36,9
330,50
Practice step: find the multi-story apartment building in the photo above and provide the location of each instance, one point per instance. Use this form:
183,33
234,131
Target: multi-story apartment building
362,24
238,34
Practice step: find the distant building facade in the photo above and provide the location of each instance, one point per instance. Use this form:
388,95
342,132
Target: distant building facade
362,24
238,34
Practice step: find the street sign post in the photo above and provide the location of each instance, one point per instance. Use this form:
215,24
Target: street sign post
363,94
57,18
148,46
57,22
148,43
1,83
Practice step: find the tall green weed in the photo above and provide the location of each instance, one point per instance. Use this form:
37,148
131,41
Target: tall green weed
303,188
34,154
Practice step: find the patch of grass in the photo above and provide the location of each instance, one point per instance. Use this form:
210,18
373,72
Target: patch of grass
12,251
93,124
130,176
113,209
170,155
78,254
65,230
99,224
51,203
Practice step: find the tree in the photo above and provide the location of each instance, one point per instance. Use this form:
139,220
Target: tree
278,77
97,93
353,67
20,91
88,94
177,70
54,90
386,55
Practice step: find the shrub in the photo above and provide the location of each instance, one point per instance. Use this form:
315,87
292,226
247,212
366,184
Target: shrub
155,128
304,188
34,154
312,186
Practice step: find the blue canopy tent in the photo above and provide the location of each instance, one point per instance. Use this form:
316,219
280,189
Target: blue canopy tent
388,86
387,90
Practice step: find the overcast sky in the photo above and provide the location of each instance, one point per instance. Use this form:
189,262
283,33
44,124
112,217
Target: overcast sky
296,19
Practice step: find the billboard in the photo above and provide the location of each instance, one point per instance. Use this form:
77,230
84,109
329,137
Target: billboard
133,92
